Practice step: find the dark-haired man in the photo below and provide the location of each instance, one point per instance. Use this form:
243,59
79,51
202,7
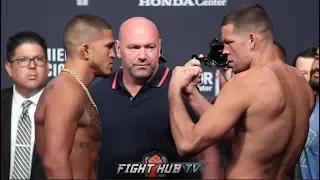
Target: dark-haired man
308,165
304,60
267,103
68,133
27,65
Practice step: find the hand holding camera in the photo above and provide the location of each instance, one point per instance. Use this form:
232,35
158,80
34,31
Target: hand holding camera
215,58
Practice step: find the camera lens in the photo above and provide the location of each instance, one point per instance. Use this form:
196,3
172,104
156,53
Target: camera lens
216,55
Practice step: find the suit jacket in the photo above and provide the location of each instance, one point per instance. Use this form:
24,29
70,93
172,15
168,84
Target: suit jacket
6,104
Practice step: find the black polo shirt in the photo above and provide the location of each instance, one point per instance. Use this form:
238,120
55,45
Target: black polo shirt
134,126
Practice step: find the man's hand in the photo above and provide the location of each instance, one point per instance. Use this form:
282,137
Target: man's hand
224,76
184,76
191,87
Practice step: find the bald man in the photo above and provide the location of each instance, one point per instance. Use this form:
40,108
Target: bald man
68,133
135,115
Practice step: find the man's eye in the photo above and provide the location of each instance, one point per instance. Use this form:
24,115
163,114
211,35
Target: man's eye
23,59
38,58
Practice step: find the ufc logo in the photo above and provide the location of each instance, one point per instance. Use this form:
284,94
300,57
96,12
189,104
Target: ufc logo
82,2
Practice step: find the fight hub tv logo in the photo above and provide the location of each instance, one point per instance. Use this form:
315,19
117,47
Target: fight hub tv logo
156,165
182,2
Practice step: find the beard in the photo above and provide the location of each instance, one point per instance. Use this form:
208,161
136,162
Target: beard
143,75
314,81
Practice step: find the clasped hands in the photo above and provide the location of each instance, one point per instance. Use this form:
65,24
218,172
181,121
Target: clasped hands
185,78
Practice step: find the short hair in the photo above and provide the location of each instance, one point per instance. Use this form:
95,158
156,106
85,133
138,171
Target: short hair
306,53
281,48
249,17
24,37
83,28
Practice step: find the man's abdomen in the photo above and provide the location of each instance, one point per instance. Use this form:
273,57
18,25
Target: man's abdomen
84,154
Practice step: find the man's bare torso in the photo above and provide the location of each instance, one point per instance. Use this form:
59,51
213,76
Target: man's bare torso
87,137
270,137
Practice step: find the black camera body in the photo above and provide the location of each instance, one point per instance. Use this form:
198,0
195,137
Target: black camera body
214,58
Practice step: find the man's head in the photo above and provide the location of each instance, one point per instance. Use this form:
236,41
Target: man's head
27,61
303,61
314,74
89,38
246,31
279,49
139,47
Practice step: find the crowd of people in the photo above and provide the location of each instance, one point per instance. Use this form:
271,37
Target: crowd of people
263,124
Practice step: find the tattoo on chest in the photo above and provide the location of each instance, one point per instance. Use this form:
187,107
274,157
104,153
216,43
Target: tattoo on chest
94,121
85,145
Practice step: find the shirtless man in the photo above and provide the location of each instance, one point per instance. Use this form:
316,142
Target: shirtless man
266,102
68,133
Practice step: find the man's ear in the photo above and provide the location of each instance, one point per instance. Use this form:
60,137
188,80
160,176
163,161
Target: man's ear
160,46
252,40
85,51
118,48
9,68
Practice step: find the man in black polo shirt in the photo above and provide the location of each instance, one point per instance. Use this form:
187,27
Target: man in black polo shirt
134,109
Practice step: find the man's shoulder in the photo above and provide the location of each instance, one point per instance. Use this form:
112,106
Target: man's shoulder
63,89
6,92
258,81
103,82
255,76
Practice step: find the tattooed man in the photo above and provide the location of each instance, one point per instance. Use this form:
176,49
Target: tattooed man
68,133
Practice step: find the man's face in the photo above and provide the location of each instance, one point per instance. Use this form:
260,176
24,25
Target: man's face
314,74
304,65
103,54
32,76
237,48
139,50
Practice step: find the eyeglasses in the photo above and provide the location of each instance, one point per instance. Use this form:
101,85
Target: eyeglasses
24,62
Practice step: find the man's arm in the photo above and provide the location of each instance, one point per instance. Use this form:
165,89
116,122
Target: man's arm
64,109
198,102
211,156
218,120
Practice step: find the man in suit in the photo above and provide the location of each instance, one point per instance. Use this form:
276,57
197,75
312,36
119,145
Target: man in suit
27,65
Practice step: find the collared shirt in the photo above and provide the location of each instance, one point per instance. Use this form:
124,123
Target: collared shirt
134,126
17,101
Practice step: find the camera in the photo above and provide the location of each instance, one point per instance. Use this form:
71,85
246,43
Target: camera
214,58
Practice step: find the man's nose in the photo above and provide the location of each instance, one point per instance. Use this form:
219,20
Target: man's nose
225,51
142,54
112,54
32,64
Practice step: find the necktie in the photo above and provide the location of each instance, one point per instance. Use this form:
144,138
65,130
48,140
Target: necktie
21,164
